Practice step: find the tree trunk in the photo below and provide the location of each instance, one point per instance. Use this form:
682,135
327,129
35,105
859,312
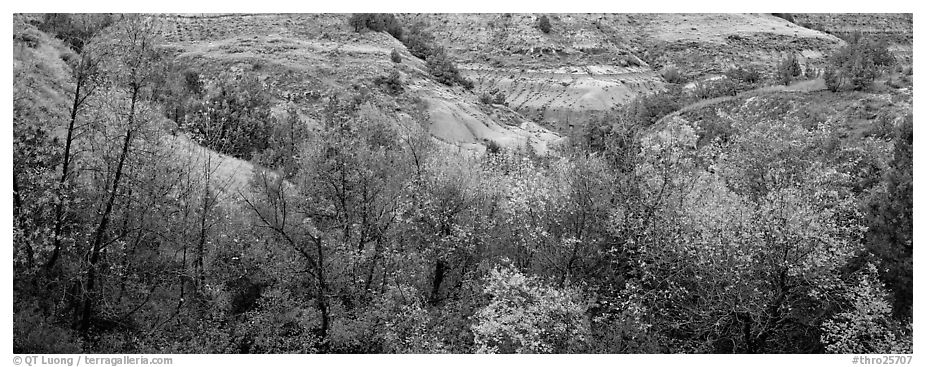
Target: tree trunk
100,232
322,292
439,269
59,209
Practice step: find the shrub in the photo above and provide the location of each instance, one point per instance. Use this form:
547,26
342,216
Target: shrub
833,79
377,23
391,83
749,74
544,24
788,68
493,97
485,98
419,41
714,89
395,56
857,64
524,315
444,71
649,108
233,116
672,75
74,29
493,147
33,333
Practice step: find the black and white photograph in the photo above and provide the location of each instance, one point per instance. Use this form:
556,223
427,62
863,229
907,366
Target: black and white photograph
461,183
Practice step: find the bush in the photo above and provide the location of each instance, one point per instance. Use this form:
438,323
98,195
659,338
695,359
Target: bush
833,79
857,64
493,147
391,83
788,68
75,29
395,56
494,97
525,315
444,71
377,23
649,108
419,41
714,89
749,74
233,116
544,24
672,75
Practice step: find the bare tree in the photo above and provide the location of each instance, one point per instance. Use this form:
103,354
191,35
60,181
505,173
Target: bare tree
134,68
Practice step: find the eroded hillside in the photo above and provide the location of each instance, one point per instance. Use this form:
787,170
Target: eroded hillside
590,63
305,58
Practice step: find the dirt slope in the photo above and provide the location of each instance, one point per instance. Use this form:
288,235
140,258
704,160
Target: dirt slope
591,63
304,58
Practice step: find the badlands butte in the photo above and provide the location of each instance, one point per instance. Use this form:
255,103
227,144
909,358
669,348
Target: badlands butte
553,83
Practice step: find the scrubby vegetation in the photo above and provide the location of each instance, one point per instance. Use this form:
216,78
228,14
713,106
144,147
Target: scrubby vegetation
419,42
788,69
494,96
671,75
391,83
856,65
543,24
762,228
377,23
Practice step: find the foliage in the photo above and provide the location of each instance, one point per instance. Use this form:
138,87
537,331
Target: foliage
867,326
391,83
232,116
494,96
420,43
377,23
671,75
715,88
857,64
890,222
75,29
748,74
748,231
649,108
788,68
444,71
395,56
526,316
543,24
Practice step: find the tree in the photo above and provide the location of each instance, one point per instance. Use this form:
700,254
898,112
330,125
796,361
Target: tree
890,222
135,67
87,78
857,63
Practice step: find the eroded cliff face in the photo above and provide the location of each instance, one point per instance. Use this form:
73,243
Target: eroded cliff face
589,64
306,58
